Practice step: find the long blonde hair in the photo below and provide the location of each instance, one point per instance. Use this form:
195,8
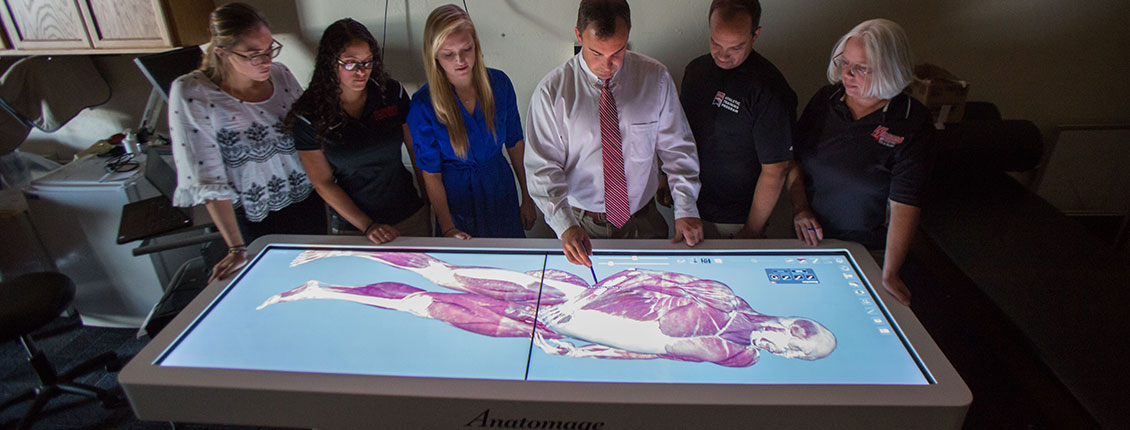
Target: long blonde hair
443,22
228,23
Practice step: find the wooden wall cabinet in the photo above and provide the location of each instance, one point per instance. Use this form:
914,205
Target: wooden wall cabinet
44,24
93,26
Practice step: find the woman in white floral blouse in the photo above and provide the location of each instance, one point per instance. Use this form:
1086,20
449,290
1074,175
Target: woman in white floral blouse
231,153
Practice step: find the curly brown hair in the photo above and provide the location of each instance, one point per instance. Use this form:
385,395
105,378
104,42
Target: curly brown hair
321,103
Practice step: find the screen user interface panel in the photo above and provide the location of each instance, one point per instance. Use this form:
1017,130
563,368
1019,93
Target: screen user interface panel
733,317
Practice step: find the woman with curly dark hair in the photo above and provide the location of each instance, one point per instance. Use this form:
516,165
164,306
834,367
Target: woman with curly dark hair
349,127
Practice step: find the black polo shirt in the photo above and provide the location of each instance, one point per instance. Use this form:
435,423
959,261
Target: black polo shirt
741,118
851,168
365,156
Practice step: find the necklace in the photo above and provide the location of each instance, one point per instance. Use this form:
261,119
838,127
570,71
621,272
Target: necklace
467,102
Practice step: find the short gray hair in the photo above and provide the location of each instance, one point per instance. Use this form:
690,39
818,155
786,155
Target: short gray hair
888,57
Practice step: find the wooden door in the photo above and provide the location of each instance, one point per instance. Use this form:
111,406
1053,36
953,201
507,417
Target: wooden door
126,23
44,24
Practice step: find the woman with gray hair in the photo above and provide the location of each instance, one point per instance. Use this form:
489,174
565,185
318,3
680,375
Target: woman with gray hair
862,160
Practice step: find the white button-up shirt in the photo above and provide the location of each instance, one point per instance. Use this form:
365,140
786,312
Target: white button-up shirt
563,157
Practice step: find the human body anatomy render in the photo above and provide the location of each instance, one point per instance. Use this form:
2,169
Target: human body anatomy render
633,314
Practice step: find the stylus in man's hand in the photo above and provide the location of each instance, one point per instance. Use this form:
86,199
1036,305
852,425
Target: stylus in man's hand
594,281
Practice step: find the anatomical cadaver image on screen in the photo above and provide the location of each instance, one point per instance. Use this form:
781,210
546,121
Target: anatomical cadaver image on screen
632,314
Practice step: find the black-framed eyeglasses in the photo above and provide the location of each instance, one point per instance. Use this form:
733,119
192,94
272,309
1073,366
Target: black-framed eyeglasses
260,59
856,70
121,163
350,66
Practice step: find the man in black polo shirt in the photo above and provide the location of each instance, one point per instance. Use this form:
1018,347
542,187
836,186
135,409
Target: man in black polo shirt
741,111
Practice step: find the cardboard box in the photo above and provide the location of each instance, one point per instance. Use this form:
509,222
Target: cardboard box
942,92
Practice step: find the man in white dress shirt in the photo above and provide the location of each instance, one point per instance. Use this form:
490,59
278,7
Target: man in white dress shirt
597,126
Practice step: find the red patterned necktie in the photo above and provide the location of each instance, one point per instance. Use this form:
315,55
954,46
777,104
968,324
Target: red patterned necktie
615,186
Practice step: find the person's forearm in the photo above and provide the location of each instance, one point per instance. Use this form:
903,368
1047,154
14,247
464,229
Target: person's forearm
765,196
415,168
904,222
794,182
517,163
343,205
683,184
223,216
546,188
547,185
437,194
544,155
420,183
675,148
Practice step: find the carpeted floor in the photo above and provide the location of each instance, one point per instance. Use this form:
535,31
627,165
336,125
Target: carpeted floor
66,343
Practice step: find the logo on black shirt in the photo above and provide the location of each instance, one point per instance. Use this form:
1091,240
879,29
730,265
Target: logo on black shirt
884,137
724,102
384,113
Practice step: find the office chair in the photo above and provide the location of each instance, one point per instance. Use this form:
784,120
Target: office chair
27,303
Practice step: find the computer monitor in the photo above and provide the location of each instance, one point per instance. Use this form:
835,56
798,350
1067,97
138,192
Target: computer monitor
161,70
159,173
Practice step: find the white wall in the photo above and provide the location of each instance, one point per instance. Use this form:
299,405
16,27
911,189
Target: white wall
129,92
1053,62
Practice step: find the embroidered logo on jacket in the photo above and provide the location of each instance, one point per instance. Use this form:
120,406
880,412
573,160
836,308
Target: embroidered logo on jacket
724,102
882,135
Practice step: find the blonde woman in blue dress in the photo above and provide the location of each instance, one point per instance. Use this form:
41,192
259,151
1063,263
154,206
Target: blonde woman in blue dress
460,121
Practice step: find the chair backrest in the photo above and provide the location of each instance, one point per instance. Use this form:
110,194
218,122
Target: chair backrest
30,301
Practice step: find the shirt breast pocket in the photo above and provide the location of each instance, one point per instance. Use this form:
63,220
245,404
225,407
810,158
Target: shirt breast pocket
639,144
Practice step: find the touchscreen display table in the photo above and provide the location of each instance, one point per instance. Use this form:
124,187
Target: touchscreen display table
328,332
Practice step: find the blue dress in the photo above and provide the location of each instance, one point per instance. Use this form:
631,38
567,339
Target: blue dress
482,194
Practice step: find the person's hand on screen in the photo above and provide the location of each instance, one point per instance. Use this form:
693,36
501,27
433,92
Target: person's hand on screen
528,213
228,266
688,229
456,233
577,246
381,233
807,228
894,285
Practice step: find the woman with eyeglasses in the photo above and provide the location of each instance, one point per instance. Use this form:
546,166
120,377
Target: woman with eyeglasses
460,122
225,123
349,127
862,157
